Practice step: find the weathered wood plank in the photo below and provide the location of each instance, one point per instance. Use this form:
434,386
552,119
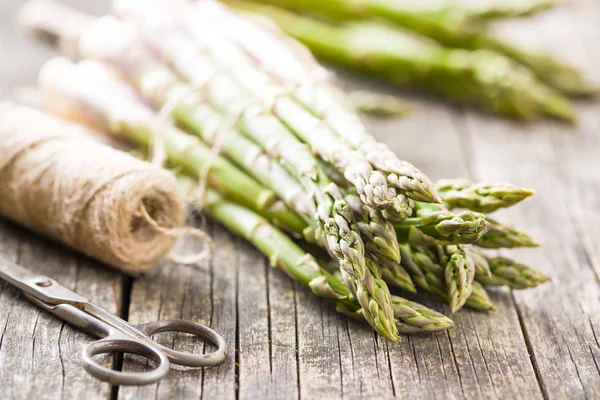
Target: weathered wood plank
557,327
559,162
39,353
267,329
174,292
283,333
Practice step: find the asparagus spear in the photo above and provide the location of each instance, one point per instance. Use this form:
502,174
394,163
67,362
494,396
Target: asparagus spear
459,272
481,197
504,236
453,27
369,8
482,267
90,92
479,299
285,254
557,73
496,10
378,105
427,273
377,233
442,227
506,272
479,76
394,274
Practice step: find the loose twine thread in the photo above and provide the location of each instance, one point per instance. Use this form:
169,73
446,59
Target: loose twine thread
95,199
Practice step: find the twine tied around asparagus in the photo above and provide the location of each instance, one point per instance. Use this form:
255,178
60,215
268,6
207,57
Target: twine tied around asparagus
164,119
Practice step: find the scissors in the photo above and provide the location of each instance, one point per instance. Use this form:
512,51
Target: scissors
117,335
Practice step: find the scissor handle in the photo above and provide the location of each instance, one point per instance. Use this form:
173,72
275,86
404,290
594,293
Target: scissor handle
118,344
194,328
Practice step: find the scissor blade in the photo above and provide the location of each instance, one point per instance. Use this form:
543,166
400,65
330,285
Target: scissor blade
38,286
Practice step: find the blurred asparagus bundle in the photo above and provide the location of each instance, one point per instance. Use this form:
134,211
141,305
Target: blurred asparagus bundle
282,157
445,49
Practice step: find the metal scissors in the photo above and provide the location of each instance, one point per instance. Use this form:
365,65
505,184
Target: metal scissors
117,335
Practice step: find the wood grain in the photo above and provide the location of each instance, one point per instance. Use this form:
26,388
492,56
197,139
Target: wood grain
561,164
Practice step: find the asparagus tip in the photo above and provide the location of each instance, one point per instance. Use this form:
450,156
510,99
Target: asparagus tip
560,108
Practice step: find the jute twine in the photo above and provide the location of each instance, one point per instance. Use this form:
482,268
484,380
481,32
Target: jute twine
95,199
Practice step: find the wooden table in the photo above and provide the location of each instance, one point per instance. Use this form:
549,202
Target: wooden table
286,343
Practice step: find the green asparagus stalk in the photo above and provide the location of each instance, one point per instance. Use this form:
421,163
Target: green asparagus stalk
479,76
504,236
555,72
495,10
482,267
378,234
442,227
394,274
459,272
451,26
427,274
481,197
506,272
378,105
384,9
479,299
414,317
302,267
90,92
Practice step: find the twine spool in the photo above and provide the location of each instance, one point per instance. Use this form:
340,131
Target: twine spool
97,200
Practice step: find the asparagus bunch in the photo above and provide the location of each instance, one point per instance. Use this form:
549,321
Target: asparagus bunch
473,76
69,95
454,27
271,170
442,227
333,216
